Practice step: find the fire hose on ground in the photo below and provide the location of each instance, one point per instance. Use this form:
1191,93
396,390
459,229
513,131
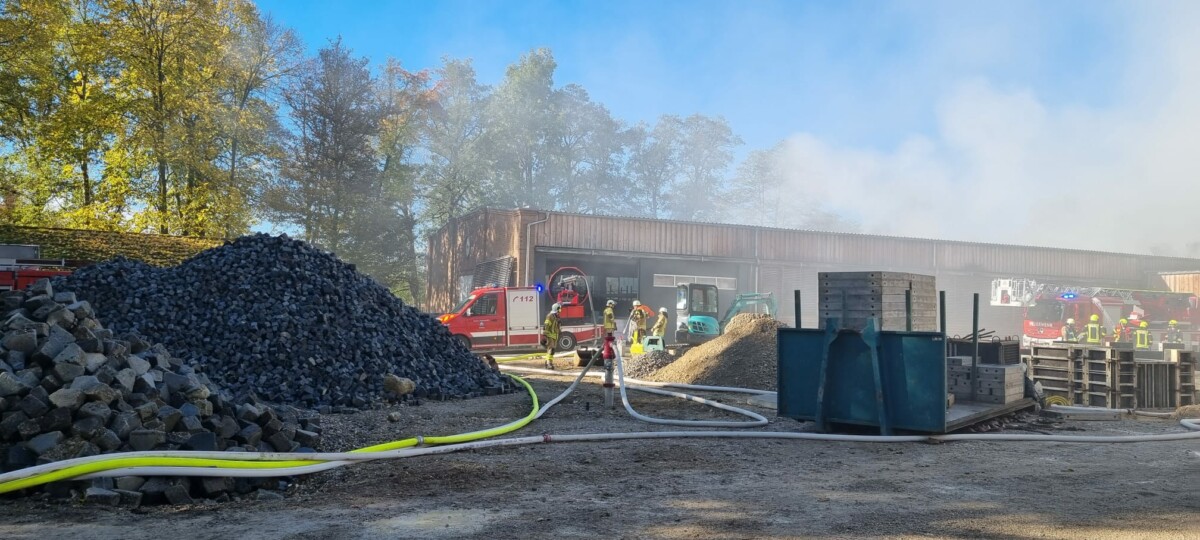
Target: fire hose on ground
273,464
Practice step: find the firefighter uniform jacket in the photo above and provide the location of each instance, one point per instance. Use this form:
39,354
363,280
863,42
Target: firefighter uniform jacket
660,326
639,319
1094,334
550,329
610,320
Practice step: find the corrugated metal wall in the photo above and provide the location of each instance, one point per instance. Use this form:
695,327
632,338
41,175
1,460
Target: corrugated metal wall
788,259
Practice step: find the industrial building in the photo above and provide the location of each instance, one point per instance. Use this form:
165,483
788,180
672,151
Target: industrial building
636,258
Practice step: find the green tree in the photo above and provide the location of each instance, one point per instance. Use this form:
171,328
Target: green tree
383,231
262,55
170,49
585,152
331,169
455,164
705,153
653,166
519,122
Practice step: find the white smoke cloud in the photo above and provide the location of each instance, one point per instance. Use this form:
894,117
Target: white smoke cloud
1005,165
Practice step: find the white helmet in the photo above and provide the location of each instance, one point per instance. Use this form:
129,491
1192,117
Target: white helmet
636,303
554,308
1070,321
662,310
611,303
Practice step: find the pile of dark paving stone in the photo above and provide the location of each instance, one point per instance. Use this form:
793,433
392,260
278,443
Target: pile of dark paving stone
69,387
275,318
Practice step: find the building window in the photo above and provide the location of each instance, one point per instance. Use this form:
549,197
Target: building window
671,280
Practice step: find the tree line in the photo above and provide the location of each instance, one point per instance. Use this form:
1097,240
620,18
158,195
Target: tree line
206,118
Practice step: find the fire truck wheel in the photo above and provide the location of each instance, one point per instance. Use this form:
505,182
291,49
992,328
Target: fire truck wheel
566,341
466,341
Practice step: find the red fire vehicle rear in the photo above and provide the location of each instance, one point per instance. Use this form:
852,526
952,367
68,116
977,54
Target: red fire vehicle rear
510,319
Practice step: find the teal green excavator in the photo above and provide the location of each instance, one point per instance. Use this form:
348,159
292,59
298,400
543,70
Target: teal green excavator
697,308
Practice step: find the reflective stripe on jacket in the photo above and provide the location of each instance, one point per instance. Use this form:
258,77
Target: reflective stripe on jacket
1142,338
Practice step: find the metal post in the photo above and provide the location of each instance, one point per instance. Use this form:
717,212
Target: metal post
975,348
842,323
942,311
908,310
942,317
797,309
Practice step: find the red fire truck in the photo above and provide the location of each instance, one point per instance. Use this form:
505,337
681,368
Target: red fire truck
1052,305
510,319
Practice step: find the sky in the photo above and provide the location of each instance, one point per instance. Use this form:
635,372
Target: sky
1068,124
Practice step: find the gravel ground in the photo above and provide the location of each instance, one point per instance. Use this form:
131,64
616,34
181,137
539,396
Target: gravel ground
744,356
643,365
684,488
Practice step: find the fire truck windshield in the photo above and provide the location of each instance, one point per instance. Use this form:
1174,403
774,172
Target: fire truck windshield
462,304
1045,311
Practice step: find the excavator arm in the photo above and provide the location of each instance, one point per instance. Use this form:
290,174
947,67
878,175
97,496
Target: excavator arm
749,303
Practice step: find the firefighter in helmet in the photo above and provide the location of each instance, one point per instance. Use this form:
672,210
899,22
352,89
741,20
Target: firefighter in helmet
1094,333
1141,337
610,318
638,318
1070,334
550,334
1121,331
660,323
1173,335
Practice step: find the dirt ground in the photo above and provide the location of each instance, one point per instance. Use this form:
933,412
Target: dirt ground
684,488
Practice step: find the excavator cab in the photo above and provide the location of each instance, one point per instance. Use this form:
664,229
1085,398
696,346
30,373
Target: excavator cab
696,309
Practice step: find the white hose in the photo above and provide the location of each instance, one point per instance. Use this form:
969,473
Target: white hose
640,382
758,420
342,458
549,438
1137,412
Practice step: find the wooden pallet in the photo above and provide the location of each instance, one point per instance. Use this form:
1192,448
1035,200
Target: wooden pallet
1115,378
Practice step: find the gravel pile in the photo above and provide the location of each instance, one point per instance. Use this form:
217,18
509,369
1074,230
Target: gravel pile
71,388
744,356
278,319
642,365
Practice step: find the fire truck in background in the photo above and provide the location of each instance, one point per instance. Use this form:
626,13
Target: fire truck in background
1048,306
20,266
496,319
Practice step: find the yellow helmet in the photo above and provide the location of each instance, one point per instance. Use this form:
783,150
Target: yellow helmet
1143,324
1095,318
1124,321
1174,322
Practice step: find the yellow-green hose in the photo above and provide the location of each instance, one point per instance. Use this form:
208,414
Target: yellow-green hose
115,461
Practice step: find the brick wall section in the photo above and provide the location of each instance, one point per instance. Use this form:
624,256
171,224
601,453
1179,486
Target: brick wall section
95,246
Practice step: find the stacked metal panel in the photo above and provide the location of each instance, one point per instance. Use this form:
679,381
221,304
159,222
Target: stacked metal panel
1000,384
851,299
